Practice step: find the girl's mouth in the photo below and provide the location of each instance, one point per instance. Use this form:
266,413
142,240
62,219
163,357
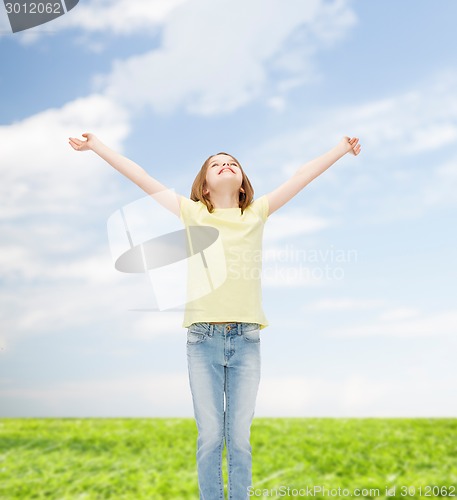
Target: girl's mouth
226,168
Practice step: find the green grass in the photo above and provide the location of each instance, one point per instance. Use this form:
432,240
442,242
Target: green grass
155,458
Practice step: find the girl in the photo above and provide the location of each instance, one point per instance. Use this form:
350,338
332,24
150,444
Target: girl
223,326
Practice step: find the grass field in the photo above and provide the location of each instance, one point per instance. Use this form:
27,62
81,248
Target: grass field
154,458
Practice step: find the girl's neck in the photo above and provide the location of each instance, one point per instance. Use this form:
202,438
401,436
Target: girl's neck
228,200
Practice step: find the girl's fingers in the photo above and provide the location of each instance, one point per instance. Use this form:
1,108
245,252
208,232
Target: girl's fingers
75,143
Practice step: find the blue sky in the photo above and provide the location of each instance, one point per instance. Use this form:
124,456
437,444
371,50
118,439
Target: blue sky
168,83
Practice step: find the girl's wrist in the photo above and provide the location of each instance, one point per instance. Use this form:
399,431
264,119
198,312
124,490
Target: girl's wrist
95,144
341,148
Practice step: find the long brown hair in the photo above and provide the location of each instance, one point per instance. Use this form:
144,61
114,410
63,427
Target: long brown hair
196,194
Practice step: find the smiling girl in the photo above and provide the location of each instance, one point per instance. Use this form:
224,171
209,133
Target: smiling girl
223,326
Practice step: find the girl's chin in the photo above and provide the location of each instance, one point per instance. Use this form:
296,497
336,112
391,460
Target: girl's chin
224,179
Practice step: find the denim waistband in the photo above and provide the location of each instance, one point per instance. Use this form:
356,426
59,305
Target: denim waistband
230,327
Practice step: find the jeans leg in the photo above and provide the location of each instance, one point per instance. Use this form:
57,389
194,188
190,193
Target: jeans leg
242,382
206,377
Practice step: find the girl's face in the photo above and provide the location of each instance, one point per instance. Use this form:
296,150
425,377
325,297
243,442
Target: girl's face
223,173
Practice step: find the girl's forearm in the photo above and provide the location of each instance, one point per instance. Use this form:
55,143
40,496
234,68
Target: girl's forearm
314,168
122,164
136,174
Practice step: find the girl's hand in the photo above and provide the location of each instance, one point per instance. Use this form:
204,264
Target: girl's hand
350,145
86,145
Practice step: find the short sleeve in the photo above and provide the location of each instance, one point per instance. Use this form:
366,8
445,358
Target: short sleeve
261,207
186,207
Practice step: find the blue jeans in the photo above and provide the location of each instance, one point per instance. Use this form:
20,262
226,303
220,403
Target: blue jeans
224,360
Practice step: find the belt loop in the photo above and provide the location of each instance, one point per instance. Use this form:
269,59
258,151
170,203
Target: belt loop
239,328
211,328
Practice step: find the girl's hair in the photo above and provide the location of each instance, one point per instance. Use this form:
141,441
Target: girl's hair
196,194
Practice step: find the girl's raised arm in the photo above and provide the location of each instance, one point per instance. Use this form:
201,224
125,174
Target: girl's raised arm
309,171
130,169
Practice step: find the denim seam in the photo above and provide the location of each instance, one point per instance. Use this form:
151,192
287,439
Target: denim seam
227,437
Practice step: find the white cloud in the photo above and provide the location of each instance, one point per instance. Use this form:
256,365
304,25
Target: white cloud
306,261
130,396
168,395
402,323
407,124
406,166
121,17
414,395
5,28
54,257
61,298
50,249
150,326
117,17
291,222
216,56
441,187
40,171
399,313
53,307
277,103
278,275
292,265
345,304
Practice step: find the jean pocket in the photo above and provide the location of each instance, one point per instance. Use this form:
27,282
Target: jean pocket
196,333
252,334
